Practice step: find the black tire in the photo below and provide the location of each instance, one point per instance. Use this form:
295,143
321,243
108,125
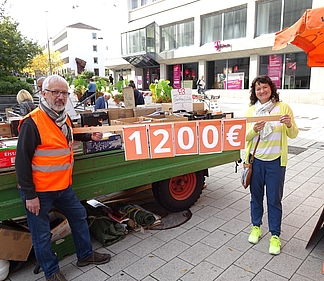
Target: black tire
179,193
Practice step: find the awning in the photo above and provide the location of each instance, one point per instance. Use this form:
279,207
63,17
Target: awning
142,61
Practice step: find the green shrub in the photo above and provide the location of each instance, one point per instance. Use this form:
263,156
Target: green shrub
30,80
10,79
12,88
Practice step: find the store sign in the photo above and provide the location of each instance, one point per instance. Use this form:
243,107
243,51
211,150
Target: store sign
176,76
161,140
218,45
275,69
182,99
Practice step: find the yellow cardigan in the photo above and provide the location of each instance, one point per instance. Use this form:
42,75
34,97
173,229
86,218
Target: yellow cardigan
291,132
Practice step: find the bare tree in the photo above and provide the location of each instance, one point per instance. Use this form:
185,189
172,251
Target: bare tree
2,8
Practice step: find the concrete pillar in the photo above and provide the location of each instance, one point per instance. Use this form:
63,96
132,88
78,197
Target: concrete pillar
163,71
254,67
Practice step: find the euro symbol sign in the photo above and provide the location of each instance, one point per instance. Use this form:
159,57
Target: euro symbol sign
232,136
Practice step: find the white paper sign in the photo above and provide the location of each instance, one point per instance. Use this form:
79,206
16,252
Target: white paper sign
181,99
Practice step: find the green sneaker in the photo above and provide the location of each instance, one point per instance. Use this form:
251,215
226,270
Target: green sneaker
255,234
275,244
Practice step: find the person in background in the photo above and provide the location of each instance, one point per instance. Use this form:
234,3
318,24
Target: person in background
269,165
201,86
26,102
91,90
44,162
138,97
111,79
121,78
102,102
39,83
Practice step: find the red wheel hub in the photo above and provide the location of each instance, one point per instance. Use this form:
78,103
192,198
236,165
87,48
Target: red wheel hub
183,186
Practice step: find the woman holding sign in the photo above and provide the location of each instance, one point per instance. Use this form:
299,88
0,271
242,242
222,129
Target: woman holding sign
269,165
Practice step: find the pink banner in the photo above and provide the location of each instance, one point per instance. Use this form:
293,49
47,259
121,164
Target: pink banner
176,76
275,69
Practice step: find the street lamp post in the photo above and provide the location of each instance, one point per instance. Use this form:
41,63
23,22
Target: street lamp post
48,48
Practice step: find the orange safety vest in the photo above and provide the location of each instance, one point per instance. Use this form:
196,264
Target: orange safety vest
52,162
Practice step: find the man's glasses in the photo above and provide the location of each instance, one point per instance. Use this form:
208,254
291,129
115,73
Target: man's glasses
58,93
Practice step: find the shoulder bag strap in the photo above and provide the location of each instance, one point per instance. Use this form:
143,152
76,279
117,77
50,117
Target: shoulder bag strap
257,143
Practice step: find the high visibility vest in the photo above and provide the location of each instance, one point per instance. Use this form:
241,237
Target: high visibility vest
52,162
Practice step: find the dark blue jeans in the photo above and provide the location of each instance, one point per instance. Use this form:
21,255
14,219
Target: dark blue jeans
39,226
271,175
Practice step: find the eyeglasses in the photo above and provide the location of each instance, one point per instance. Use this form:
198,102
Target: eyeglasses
58,93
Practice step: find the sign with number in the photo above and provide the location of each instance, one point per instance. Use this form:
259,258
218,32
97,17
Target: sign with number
182,99
185,138
234,134
161,140
210,132
135,142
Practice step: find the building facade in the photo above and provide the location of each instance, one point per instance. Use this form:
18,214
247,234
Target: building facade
81,47
227,42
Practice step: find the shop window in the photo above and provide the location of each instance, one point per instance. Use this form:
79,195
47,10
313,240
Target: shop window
183,75
232,74
288,71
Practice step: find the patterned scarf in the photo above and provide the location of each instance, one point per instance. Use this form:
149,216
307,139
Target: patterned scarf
264,110
58,118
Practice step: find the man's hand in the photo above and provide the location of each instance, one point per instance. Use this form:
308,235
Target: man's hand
33,206
97,136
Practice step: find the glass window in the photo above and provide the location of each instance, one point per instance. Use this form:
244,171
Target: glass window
183,75
293,10
177,35
150,38
211,27
296,74
94,48
232,74
268,17
94,35
134,4
95,60
235,24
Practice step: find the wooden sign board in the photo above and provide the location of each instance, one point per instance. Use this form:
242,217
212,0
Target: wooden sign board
129,99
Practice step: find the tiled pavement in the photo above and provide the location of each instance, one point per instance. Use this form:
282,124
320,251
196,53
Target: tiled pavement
213,244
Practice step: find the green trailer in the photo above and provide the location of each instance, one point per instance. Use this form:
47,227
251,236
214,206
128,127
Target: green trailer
176,182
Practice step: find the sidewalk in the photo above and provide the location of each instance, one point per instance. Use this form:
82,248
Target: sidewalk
213,244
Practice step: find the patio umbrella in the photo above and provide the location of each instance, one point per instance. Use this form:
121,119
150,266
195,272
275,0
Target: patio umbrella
308,34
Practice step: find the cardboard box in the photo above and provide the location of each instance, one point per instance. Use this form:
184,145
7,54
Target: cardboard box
167,107
15,243
117,113
111,143
198,106
59,225
7,152
131,120
63,247
5,130
143,111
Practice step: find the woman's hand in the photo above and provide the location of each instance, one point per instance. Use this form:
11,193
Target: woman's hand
285,119
258,126
96,136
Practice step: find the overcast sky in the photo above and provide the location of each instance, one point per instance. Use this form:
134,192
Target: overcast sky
32,16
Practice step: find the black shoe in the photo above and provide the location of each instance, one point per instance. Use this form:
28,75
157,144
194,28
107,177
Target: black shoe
95,258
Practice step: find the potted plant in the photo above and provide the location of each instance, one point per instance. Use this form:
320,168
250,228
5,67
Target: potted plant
161,91
80,86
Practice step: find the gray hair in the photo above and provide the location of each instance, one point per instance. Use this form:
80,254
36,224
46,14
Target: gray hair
53,78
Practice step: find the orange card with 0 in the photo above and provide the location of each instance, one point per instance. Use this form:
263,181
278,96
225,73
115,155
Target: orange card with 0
135,142
210,136
185,138
234,134
161,140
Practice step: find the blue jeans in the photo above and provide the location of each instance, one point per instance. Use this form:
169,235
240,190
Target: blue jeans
271,175
39,226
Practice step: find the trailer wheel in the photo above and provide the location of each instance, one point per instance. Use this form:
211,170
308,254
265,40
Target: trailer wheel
179,193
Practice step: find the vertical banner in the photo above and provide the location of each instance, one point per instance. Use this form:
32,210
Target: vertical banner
234,134
185,138
182,99
135,142
161,140
275,69
176,76
210,136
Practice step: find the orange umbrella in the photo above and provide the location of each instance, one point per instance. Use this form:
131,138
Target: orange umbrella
308,34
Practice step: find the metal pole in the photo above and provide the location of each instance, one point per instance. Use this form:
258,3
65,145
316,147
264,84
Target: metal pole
48,48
